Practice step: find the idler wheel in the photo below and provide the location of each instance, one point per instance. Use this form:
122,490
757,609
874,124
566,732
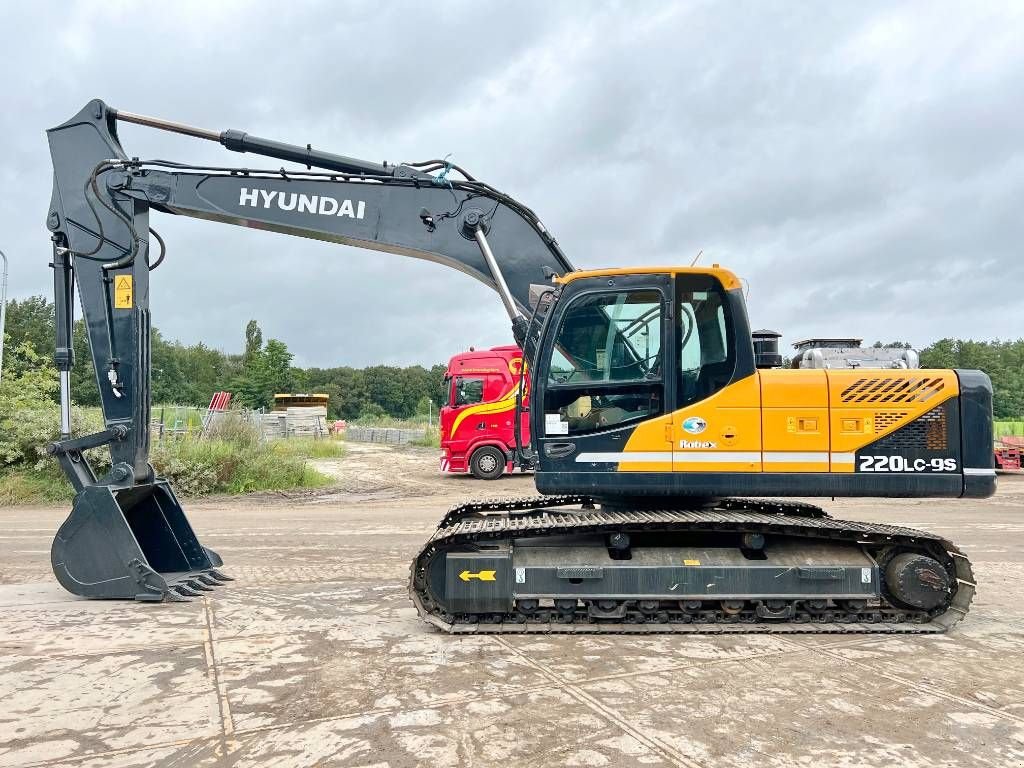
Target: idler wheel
917,581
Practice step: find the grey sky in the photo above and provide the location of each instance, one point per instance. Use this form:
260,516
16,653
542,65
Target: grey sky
860,165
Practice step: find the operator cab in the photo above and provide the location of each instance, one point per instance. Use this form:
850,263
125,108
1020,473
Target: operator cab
623,350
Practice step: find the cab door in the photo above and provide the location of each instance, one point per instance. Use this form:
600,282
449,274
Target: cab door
601,407
467,393
716,421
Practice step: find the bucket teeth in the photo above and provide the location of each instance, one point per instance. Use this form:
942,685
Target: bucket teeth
220,576
208,580
197,585
185,591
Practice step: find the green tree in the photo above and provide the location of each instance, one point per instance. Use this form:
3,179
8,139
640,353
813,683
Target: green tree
372,411
1003,361
275,368
30,321
263,374
83,377
29,417
385,387
253,340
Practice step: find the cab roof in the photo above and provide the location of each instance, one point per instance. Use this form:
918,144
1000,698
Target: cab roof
726,277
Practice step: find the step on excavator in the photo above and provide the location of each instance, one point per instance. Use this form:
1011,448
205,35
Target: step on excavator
664,454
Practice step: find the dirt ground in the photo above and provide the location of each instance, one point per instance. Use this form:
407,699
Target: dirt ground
314,656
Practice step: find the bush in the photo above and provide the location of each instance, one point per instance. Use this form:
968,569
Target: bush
198,468
372,412
230,459
233,427
29,417
1008,428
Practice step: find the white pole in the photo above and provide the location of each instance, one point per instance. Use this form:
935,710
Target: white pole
3,311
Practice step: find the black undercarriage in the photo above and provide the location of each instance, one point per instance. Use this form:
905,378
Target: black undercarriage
560,564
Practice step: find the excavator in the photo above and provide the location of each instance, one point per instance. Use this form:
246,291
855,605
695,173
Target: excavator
666,450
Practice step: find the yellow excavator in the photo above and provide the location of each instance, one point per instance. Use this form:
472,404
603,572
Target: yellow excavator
664,446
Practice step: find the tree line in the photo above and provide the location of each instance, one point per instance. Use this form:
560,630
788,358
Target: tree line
190,374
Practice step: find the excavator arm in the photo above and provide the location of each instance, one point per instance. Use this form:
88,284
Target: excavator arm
104,246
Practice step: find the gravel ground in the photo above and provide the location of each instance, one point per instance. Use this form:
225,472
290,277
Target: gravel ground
314,656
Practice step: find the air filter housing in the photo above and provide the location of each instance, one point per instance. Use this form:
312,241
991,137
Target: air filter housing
766,349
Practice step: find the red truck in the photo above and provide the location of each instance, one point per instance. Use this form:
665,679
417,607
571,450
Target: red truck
478,416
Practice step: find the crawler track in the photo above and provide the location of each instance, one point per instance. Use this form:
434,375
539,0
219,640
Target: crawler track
540,516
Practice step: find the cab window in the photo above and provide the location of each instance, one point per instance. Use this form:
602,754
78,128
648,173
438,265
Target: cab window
605,369
707,357
468,391
609,337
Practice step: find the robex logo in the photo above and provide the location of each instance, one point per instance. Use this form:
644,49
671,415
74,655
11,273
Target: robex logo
322,205
695,425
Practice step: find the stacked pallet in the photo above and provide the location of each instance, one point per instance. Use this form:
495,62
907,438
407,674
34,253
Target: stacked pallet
306,421
273,425
297,421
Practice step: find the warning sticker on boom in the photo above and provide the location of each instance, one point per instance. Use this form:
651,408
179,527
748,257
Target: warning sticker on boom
123,293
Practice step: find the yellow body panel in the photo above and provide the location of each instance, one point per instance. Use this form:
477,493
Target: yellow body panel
787,421
777,420
794,420
653,436
869,404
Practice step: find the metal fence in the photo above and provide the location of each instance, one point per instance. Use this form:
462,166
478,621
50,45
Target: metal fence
191,423
391,435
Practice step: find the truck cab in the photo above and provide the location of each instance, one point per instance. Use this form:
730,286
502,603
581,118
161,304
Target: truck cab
478,415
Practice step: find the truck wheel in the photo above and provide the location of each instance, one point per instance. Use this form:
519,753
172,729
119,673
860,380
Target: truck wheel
487,463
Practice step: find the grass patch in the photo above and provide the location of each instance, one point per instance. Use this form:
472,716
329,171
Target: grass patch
198,468
431,439
20,486
417,422
1008,428
308,448
194,467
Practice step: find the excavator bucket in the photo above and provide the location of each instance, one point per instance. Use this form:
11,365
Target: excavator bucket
132,543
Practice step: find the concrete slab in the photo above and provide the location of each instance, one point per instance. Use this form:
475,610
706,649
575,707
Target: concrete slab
102,702
795,710
315,657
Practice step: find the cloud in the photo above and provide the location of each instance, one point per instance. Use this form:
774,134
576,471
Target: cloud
860,165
